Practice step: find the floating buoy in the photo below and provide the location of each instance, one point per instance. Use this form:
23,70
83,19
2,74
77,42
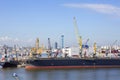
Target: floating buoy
15,75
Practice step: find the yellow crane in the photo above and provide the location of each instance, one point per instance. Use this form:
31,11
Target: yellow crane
79,38
95,49
36,50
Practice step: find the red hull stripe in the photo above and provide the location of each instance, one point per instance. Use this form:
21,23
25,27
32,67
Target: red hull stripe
67,67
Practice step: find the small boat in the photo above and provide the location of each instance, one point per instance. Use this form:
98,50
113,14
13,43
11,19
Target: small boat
5,63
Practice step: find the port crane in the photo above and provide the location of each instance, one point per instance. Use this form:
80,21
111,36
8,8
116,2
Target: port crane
49,51
86,42
79,38
36,50
113,50
114,43
95,49
111,46
85,47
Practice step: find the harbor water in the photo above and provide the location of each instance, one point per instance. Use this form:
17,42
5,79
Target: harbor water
71,74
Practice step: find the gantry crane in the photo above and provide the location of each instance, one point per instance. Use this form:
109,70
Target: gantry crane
79,38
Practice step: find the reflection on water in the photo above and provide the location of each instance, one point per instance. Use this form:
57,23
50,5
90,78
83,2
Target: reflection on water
74,74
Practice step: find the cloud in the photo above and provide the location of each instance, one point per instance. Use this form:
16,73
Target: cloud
11,41
101,8
5,38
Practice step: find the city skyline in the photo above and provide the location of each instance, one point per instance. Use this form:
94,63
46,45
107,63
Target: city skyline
21,22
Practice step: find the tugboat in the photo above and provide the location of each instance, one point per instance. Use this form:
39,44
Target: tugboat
6,63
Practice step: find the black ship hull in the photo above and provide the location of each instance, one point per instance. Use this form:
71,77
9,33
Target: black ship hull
72,63
9,64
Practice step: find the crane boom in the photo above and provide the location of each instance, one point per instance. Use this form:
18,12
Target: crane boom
95,47
86,42
114,43
79,38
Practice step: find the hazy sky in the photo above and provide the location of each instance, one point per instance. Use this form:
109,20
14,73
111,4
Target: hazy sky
22,21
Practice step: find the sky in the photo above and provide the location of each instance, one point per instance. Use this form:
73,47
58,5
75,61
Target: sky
22,21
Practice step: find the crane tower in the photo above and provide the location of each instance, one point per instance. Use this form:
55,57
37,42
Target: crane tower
79,38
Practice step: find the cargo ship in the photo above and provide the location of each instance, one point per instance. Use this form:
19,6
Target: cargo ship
68,63
9,64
